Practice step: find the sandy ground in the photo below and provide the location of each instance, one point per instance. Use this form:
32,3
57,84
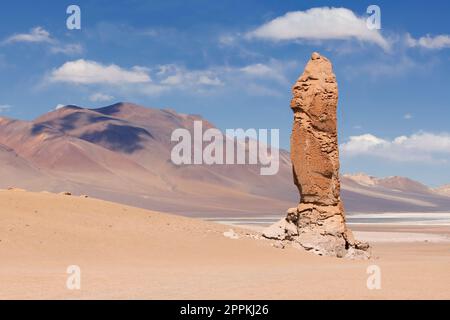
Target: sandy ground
130,253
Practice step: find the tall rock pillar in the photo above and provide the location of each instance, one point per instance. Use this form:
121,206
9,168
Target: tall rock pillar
318,222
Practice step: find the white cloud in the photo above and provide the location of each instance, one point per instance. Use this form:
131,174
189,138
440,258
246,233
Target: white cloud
59,106
422,147
173,75
428,42
173,80
136,79
255,79
408,116
229,40
205,79
322,23
90,72
362,143
36,35
151,89
40,35
69,49
262,79
4,108
271,70
257,69
100,97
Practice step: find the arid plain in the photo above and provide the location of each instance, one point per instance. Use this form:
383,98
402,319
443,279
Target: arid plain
125,252
120,153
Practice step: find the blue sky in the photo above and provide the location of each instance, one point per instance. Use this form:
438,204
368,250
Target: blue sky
233,63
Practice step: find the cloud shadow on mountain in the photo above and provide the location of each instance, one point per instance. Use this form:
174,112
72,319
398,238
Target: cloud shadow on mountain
118,137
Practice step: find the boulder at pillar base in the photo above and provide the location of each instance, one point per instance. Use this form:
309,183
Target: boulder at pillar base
318,223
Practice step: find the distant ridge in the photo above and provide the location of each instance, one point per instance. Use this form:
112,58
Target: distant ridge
121,153
393,182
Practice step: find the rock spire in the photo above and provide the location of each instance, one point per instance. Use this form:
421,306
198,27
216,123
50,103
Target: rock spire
318,222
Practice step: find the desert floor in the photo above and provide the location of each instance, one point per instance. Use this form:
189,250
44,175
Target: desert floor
130,253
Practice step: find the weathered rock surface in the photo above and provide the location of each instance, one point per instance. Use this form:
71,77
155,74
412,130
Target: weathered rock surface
318,223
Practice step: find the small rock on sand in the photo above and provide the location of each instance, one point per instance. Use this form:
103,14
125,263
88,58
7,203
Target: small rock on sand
278,245
231,234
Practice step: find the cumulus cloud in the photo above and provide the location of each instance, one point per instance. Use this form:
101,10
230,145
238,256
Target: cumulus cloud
322,23
421,147
36,35
151,81
90,72
429,42
100,97
261,79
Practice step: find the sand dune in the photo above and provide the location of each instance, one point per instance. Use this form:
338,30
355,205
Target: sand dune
126,252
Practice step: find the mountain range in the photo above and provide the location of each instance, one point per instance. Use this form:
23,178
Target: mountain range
122,153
